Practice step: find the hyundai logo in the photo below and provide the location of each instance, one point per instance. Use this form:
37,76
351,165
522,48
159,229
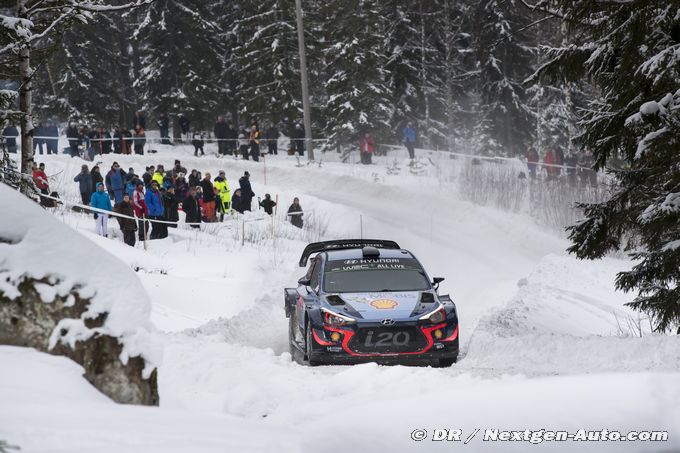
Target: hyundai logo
387,322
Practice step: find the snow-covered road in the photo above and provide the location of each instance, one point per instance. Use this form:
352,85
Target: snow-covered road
543,336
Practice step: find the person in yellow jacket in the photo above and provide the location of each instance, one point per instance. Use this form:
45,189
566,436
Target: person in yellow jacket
158,176
223,194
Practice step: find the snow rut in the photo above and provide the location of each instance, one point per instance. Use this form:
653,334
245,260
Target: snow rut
264,325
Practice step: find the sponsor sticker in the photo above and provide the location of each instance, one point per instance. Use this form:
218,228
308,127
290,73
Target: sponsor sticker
384,304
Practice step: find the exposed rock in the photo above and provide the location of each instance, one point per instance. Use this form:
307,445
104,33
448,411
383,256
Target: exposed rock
29,321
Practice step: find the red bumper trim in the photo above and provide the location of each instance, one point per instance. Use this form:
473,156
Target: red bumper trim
348,334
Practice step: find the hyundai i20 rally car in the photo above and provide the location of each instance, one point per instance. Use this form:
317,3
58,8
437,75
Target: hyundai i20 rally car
369,300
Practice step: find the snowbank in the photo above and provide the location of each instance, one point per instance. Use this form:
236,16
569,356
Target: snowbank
33,244
566,318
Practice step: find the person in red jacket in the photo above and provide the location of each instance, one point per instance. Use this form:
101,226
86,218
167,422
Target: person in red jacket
40,180
549,161
141,211
367,147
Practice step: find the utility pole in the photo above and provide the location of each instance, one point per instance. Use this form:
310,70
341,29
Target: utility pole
303,76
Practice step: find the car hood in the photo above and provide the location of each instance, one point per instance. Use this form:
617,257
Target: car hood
385,305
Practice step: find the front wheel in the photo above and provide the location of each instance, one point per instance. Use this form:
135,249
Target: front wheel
308,346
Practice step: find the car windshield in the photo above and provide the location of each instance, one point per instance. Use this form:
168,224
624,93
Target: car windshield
374,275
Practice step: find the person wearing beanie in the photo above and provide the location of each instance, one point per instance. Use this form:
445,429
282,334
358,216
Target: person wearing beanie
100,200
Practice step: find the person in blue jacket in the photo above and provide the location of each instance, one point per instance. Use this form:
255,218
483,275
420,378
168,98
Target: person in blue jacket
131,186
154,203
408,135
100,200
115,182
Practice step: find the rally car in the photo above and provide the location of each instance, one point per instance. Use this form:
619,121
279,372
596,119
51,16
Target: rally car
369,300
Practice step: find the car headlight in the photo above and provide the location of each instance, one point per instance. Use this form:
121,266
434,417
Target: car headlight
435,317
335,319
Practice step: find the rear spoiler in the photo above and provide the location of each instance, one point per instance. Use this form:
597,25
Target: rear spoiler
344,244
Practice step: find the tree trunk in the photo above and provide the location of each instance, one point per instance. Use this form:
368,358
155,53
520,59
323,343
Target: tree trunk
25,102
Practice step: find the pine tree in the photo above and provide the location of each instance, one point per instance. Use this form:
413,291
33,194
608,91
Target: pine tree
91,77
355,75
630,52
267,61
184,57
505,56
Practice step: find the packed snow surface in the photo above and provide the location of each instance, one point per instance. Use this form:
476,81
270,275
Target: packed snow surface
546,341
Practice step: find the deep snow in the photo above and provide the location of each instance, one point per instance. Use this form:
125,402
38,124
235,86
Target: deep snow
546,340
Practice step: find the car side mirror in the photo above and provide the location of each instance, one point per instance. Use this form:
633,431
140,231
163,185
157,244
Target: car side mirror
436,281
304,281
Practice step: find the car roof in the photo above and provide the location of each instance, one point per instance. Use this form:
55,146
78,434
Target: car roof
350,254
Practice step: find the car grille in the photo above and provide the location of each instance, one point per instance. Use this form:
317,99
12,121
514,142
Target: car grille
388,340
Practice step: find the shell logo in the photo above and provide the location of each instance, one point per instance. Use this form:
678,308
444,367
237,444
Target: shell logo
384,304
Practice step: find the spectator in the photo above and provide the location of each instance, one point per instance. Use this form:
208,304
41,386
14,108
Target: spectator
100,200
40,180
295,213
84,180
105,143
115,182
254,142
154,205
130,174
96,177
126,141
297,136
243,142
208,198
127,226
138,121
223,194
221,135
168,180
272,136
93,143
408,135
139,140
268,204
38,141
247,193
549,162
74,140
171,206
232,139
117,140
141,211
194,178
532,161
53,143
131,186
571,161
367,147
191,208
159,175
297,142
588,175
197,141
178,168
147,177
237,201
181,187
184,124
164,126
10,133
